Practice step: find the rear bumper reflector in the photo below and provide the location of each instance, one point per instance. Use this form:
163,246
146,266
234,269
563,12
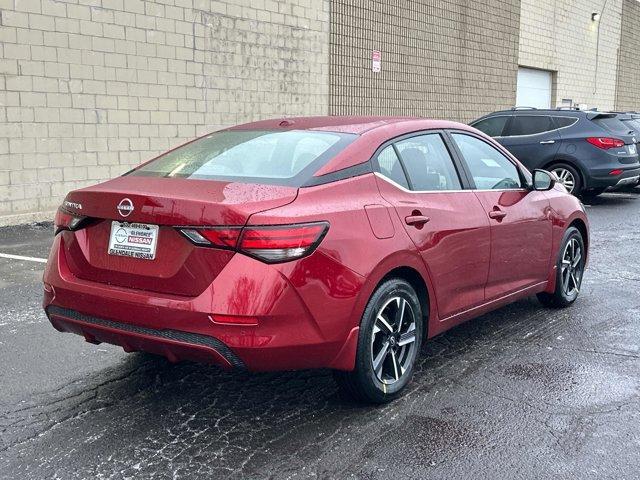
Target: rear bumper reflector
163,336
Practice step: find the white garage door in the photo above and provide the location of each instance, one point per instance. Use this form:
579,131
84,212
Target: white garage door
534,88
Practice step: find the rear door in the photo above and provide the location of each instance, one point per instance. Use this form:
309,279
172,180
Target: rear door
520,218
532,139
447,224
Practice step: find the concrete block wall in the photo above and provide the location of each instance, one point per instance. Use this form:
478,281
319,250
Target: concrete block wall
450,59
628,79
560,36
89,88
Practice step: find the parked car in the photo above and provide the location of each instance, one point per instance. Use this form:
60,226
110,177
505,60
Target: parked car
588,151
331,242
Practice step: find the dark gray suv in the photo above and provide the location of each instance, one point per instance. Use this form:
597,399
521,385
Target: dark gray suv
588,151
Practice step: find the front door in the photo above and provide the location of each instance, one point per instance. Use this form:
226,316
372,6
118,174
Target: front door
447,224
521,230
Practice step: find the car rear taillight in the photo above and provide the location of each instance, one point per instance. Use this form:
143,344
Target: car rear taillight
269,243
281,243
605,142
66,220
222,237
616,172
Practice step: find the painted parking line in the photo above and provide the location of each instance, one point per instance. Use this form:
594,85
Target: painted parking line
20,257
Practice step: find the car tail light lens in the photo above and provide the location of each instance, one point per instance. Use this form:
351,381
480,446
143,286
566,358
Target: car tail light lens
605,143
281,243
222,237
269,243
616,172
66,220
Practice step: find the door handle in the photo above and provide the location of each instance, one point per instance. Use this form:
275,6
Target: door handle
547,142
497,214
417,220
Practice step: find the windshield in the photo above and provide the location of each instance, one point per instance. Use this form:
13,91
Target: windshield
613,124
633,123
283,158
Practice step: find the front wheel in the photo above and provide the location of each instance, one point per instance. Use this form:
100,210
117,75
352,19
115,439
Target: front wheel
569,271
391,332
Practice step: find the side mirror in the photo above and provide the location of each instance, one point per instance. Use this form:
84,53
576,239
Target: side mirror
543,180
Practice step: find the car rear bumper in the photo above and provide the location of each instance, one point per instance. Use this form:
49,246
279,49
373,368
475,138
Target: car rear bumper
252,316
176,345
602,179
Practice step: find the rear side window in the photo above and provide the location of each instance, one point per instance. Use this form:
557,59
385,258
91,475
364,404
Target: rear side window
274,157
612,124
563,122
390,166
490,169
530,125
494,126
428,163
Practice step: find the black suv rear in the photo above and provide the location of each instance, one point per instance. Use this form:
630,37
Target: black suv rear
588,151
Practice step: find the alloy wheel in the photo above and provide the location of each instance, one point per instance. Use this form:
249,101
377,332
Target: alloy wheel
393,342
566,178
572,268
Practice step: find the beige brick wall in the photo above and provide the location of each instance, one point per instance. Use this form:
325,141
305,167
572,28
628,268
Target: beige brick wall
449,59
89,88
628,80
559,35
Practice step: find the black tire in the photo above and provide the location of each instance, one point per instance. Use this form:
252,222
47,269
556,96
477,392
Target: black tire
363,383
575,174
564,294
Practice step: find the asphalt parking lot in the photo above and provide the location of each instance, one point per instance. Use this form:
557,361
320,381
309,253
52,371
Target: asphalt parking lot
523,392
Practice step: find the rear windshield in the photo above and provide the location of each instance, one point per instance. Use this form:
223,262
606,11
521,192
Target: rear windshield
633,123
288,157
612,124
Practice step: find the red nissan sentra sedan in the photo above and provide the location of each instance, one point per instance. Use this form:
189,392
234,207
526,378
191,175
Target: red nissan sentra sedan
338,242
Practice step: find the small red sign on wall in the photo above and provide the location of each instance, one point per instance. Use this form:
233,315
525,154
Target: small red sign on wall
376,61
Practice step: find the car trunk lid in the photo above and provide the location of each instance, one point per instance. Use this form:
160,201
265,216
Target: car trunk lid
179,267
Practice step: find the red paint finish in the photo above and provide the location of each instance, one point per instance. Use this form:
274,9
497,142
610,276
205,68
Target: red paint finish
520,239
302,313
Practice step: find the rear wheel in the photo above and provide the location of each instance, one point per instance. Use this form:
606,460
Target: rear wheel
568,176
391,333
569,271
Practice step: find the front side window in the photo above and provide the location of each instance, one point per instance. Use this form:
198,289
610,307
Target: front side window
272,157
490,169
494,126
529,125
428,163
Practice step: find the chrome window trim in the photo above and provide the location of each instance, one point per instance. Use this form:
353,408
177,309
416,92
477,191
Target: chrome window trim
577,119
462,190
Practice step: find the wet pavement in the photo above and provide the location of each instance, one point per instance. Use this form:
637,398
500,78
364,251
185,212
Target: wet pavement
523,392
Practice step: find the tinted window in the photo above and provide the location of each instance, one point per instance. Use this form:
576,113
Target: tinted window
390,166
633,124
428,163
565,121
251,155
493,126
529,125
490,169
612,124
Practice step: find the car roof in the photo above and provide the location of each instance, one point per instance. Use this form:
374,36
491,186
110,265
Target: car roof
542,111
373,131
343,124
